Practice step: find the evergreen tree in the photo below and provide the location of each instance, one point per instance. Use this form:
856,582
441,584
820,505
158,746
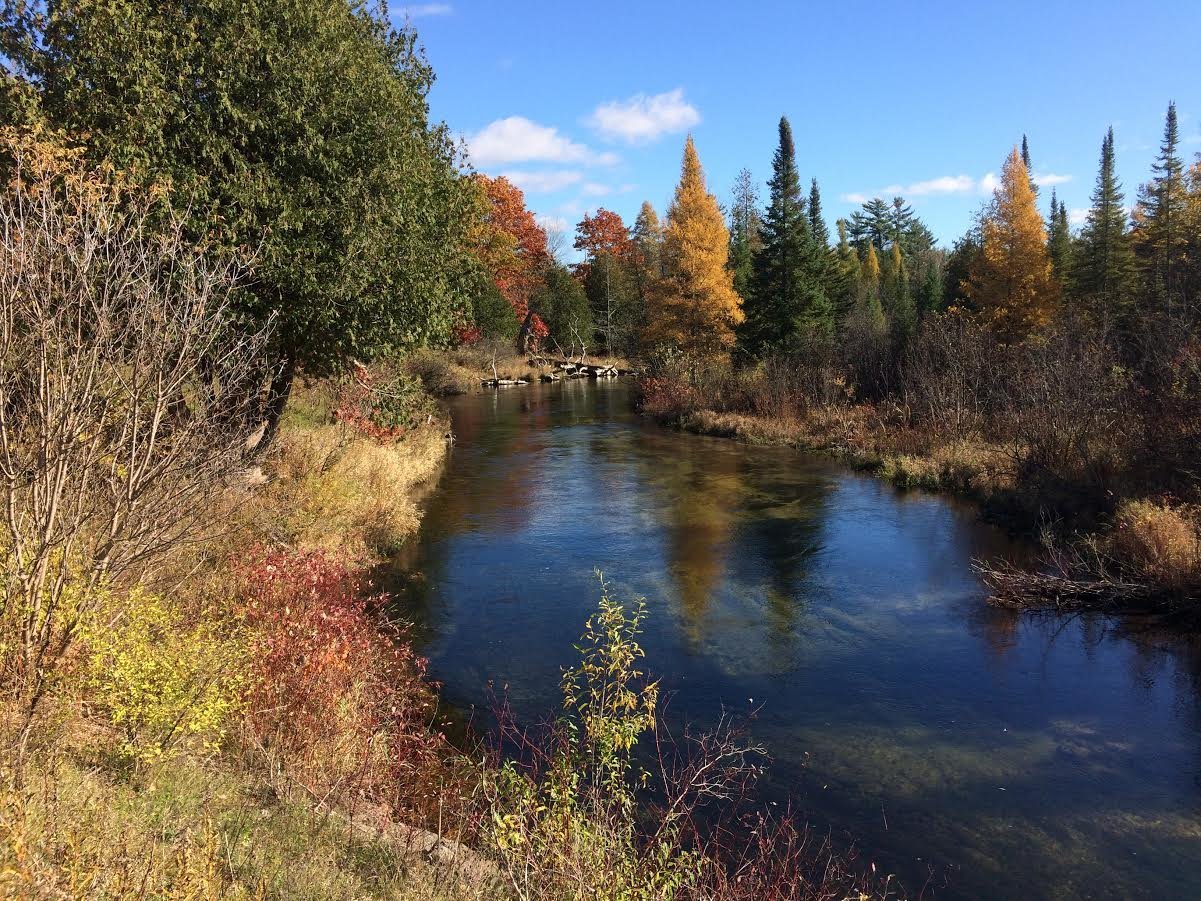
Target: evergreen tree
788,299
744,231
694,305
1059,239
614,300
1011,282
1104,261
931,291
1029,166
648,239
1158,235
846,269
561,303
880,223
817,222
900,308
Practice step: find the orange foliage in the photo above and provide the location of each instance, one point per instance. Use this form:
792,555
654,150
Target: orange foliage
512,245
604,233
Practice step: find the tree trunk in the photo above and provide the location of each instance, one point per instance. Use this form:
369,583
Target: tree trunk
277,398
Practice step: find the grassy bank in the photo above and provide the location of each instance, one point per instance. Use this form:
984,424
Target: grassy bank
1109,543
246,723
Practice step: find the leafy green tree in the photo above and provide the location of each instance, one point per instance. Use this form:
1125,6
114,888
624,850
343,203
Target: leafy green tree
562,304
788,302
297,129
1104,269
615,302
492,314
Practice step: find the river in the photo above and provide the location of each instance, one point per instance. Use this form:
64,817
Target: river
995,754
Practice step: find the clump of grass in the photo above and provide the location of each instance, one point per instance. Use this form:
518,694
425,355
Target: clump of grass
1161,541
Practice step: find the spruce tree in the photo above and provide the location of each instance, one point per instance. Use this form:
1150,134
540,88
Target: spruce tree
817,222
901,312
1104,262
1029,166
744,231
1159,238
788,303
1059,239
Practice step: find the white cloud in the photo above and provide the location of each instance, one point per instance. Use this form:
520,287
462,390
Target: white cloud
989,183
594,189
422,10
855,197
518,140
944,184
1077,216
544,182
1048,179
644,118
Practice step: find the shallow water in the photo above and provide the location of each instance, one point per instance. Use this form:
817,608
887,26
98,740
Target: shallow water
1008,756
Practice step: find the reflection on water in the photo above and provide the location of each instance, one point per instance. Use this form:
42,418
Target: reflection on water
1013,756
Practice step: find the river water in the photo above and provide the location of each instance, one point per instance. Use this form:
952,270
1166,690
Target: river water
991,753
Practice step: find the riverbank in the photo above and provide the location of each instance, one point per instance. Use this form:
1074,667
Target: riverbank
1118,553
257,726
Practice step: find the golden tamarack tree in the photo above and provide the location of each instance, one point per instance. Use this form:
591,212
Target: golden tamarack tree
694,305
1011,281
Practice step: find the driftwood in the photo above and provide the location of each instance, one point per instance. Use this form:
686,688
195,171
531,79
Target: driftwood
1021,589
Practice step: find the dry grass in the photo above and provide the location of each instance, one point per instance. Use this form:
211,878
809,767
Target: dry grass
1162,542
78,826
334,489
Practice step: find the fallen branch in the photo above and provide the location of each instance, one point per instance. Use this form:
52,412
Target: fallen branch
1020,589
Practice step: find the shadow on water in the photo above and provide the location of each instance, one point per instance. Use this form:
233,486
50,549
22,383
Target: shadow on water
1017,756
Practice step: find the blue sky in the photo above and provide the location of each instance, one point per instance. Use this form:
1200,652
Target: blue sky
587,104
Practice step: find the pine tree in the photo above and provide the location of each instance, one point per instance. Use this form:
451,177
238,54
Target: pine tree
1011,282
1158,236
1059,239
1029,166
846,269
881,223
817,222
901,313
744,231
930,297
788,300
694,305
1104,268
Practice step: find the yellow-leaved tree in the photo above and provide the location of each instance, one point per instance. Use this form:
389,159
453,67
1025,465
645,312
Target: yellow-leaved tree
1011,282
694,305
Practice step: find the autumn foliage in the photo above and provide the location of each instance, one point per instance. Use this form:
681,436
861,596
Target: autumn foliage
510,243
1012,282
602,234
694,306
336,699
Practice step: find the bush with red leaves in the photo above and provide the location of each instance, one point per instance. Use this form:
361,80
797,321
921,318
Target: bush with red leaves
338,701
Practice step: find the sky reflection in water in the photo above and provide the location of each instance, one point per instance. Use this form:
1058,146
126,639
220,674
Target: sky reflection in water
1019,756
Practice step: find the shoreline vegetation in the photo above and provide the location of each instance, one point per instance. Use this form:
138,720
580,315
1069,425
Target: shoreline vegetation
1126,554
241,261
